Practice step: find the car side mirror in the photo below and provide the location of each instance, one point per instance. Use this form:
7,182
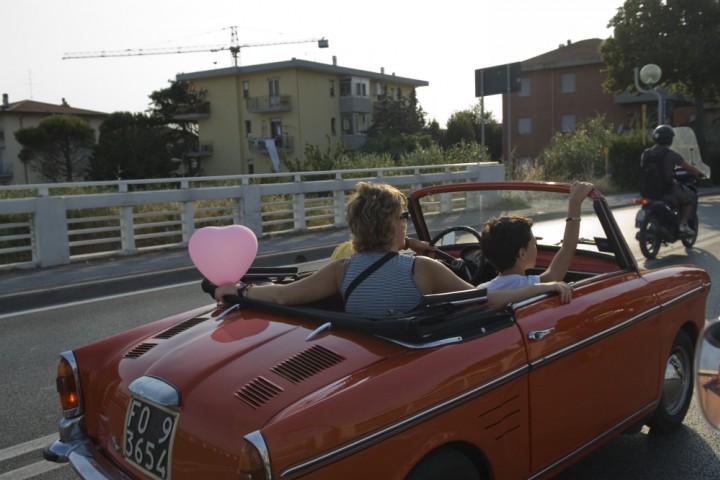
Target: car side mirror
707,371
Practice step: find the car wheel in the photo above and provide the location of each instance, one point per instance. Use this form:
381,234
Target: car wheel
677,386
445,464
649,237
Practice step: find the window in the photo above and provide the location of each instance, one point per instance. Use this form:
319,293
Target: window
567,83
524,87
246,88
333,127
361,89
248,129
567,123
347,124
354,86
345,87
274,91
524,126
332,88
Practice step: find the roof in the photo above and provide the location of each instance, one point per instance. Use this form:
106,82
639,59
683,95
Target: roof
584,52
31,106
301,65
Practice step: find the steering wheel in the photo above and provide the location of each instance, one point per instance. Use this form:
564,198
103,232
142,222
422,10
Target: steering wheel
457,265
458,228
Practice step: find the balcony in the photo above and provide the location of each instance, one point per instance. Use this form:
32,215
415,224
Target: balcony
269,103
205,150
283,143
192,111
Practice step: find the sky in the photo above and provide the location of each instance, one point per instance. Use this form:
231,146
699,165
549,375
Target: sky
441,43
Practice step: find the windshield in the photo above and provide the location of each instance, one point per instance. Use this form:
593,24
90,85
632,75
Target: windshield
548,211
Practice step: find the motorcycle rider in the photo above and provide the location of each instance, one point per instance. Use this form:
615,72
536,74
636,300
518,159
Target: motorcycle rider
685,199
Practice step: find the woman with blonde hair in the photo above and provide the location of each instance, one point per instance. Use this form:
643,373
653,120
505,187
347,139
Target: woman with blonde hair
376,280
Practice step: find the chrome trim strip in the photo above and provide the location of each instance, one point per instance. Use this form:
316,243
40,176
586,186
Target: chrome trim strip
258,441
620,326
318,331
227,312
683,297
624,423
156,390
79,410
403,424
419,346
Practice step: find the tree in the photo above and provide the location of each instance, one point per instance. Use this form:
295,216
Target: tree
467,126
398,126
681,36
131,146
397,116
180,98
58,148
460,128
580,154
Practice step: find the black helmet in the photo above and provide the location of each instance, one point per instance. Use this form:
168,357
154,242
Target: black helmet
663,135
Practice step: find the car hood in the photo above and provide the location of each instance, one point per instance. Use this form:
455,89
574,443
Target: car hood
253,359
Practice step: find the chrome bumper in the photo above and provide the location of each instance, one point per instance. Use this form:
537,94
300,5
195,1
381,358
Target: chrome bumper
77,449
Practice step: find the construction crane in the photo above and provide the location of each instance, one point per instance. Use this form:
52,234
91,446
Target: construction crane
233,48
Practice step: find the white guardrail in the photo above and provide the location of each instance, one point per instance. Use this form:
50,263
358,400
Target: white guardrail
53,224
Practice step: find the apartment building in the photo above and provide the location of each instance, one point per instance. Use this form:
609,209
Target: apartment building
28,113
562,88
249,115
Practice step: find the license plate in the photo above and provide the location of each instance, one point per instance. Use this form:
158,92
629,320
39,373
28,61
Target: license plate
149,432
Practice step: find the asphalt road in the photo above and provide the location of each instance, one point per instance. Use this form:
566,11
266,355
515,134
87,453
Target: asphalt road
30,341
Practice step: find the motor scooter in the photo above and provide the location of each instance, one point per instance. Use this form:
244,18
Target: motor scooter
658,221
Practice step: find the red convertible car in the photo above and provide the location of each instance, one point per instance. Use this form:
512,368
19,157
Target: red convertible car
452,390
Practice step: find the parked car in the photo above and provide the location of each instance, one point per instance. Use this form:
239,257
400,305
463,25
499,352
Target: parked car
452,390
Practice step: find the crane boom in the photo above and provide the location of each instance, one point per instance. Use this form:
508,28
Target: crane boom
234,49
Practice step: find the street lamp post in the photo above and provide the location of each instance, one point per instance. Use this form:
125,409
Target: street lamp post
650,75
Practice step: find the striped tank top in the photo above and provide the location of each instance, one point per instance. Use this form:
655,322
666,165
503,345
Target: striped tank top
389,290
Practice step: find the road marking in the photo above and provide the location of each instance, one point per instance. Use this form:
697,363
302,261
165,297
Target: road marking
31,471
29,446
93,300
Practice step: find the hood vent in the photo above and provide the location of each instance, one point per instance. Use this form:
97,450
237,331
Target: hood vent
306,364
258,392
140,350
179,328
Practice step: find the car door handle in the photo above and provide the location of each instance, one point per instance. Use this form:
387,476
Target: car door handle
539,334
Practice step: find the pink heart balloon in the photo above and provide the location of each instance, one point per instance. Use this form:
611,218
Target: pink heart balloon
223,254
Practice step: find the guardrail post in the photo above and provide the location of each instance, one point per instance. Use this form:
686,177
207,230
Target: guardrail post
252,208
50,230
187,216
127,224
299,221
127,230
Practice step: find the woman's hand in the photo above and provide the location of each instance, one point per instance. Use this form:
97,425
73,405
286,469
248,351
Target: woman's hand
227,289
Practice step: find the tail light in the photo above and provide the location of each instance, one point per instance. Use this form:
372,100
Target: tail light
68,385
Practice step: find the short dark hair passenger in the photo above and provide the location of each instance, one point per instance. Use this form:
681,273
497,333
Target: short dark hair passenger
503,237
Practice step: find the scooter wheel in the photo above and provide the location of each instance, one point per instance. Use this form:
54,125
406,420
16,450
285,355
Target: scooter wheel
649,237
689,241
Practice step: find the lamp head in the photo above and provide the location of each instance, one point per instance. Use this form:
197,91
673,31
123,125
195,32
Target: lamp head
650,74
